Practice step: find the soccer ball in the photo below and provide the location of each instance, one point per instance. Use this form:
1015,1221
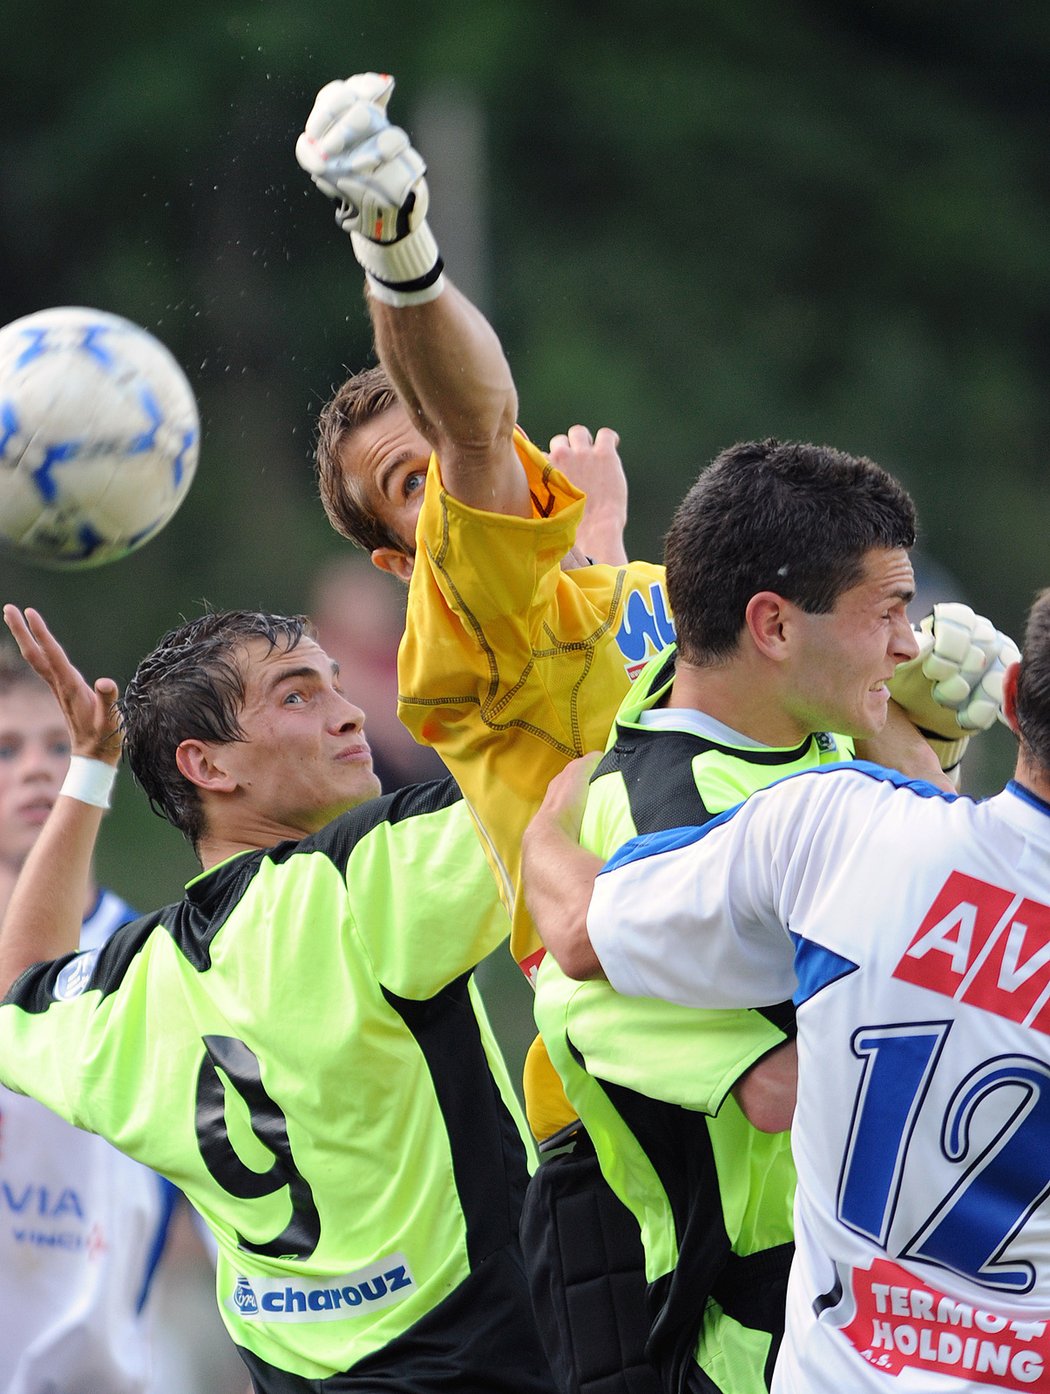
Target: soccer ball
99,433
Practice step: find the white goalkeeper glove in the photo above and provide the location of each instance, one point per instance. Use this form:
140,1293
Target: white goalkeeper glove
954,686
353,154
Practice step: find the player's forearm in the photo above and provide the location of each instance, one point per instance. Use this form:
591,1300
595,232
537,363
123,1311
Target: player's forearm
449,369
558,876
766,1093
600,538
901,746
43,917
440,351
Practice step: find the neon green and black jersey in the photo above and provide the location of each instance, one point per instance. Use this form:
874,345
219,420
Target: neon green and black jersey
651,1081
299,1046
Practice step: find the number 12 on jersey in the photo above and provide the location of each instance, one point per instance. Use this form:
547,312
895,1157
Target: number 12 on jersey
1001,1151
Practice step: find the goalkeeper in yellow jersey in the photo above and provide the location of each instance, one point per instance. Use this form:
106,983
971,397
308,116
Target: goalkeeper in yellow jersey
517,651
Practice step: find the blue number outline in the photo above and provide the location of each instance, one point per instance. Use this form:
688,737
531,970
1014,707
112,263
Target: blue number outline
910,1052
973,1224
962,1223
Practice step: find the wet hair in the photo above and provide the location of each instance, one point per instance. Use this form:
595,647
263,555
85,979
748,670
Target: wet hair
1033,684
362,398
192,687
791,518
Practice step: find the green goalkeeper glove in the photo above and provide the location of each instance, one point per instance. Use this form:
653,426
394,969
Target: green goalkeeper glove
353,154
954,686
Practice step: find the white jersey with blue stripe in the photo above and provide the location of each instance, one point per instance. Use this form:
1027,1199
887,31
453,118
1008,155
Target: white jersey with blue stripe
913,930
81,1230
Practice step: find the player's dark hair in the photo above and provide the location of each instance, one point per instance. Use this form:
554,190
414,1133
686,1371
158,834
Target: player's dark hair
192,687
360,400
1033,684
15,671
791,518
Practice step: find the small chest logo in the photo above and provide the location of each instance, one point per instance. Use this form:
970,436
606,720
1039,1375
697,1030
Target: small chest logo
75,976
645,627
244,1298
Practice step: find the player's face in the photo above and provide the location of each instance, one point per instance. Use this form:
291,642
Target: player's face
844,659
34,757
305,757
388,459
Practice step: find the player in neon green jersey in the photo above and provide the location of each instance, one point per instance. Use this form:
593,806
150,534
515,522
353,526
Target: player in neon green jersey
789,573
297,1043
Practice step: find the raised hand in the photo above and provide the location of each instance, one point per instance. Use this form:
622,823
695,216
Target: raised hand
593,464
953,687
354,155
558,873
966,657
90,711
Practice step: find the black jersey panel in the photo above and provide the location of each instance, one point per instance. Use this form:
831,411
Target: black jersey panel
477,1120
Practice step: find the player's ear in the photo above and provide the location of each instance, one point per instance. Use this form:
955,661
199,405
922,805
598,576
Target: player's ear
766,618
1009,703
202,764
394,563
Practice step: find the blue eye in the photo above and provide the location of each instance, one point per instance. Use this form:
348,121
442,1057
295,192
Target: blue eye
415,481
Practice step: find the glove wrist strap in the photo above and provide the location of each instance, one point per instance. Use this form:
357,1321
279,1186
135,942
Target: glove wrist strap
406,272
399,296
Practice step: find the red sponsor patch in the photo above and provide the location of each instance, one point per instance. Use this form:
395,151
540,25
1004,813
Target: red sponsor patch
530,965
984,945
901,1323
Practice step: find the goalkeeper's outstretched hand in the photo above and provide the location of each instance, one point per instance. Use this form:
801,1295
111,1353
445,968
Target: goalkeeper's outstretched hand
354,155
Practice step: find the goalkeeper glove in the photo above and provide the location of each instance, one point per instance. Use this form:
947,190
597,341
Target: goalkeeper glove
954,686
353,154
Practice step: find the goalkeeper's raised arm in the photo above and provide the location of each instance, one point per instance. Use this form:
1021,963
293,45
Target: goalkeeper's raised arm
441,353
516,652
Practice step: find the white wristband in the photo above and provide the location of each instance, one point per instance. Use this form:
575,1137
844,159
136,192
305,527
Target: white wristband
90,781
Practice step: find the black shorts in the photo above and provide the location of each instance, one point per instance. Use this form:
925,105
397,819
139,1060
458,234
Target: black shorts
586,1268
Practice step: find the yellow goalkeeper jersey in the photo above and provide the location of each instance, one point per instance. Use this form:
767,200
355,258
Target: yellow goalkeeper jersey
510,667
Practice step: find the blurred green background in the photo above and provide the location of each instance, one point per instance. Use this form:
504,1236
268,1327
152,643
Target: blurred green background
694,222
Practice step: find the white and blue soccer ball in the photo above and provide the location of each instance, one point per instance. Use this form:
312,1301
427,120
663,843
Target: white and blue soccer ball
99,435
